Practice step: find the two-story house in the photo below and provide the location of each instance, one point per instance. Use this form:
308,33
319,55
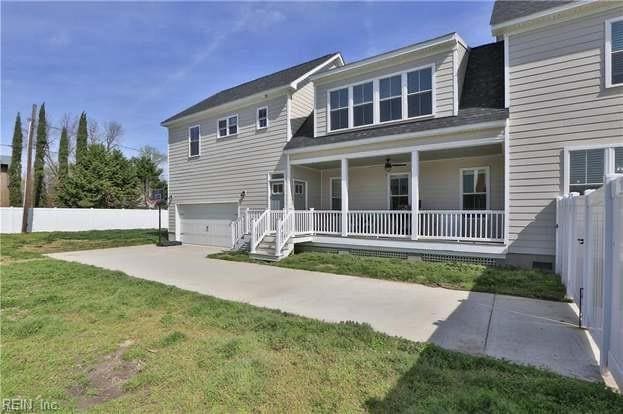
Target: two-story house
436,150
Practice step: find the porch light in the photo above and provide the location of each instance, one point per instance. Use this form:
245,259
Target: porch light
388,165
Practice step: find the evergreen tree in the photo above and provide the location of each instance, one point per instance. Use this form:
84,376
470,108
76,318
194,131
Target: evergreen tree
39,194
15,170
102,179
63,158
81,137
148,174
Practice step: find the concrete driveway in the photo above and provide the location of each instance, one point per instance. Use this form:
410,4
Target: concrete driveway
526,331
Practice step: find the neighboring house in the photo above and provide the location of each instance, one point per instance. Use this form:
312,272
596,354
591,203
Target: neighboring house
434,150
5,162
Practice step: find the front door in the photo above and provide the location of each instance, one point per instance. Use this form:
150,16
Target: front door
276,195
300,195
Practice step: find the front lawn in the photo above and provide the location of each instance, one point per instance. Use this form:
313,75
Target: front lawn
33,245
507,281
90,338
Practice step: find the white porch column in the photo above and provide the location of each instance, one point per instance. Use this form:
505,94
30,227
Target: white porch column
415,193
344,197
288,202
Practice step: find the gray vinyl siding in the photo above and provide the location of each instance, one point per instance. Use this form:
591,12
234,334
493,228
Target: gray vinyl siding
227,166
557,100
439,183
312,177
443,83
462,57
302,105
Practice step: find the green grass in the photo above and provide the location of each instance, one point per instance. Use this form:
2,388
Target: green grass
200,354
34,245
506,281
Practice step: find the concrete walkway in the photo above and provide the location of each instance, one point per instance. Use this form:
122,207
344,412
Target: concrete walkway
526,331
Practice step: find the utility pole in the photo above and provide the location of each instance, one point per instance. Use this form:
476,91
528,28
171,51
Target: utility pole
28,186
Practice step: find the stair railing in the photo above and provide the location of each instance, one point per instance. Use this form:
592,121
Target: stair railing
285,230
259,229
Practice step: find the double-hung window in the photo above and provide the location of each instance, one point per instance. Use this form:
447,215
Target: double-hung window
336,194
363,104
475,188
228,126
420,92
262,118
193,141
399,192
614,52
339,109
587,167
390,98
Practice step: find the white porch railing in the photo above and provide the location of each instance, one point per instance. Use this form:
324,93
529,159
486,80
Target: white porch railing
392,223
259,229
327,222
468,225
284,231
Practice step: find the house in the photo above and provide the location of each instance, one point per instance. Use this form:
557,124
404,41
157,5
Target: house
5,163
436,150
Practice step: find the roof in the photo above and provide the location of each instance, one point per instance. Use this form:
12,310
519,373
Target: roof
506,10
482,100
265,83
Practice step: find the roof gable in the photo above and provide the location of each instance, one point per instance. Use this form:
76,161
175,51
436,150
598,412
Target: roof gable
506,10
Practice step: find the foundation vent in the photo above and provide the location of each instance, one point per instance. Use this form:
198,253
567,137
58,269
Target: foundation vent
485,261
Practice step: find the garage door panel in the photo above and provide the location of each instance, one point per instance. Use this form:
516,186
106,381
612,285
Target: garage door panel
207,224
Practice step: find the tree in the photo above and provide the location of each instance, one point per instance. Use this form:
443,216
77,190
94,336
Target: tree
102,179
15,170
39,192
81,137
63,158
148,173
112,134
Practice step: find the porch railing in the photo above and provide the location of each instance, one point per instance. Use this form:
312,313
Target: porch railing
259,229
284,231
474,225
392,223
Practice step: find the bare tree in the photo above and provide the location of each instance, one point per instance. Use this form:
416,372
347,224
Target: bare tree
154,155
112,134
94,132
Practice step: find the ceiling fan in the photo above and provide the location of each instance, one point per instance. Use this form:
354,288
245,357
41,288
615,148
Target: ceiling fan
389,164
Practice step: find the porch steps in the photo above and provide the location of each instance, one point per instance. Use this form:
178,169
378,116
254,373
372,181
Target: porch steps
266,250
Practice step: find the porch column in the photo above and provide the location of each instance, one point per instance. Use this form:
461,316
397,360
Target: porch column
415,193
288,203
344,197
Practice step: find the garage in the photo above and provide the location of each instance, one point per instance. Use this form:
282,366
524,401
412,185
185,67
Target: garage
207,224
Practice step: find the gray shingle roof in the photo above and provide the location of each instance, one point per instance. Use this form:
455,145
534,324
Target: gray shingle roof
505,10
265,83
482,100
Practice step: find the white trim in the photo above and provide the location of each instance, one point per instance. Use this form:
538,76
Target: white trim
226,119
295,83
455,81
608,52
487,185
507,170
534,16
401,150
388,192
449,38
409,135
376,99
609,160
344,182
257,118
507,77
294,181
190,155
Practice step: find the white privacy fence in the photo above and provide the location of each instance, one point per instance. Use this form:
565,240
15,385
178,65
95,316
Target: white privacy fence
79,219
589,258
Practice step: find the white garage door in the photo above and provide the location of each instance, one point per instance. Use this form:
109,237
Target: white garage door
207,224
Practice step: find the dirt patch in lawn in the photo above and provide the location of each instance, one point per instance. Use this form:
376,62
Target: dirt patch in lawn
106,378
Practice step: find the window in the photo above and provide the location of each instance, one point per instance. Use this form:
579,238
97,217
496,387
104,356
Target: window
618,160
339,109
262,118
614,52
390,98
420,92
228,126
336,194
362,104
193,141
399,192
277,188
475,188
299,188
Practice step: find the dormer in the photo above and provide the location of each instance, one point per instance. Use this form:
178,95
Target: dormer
420,81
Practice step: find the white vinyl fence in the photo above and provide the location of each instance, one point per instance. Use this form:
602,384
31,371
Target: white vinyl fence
589,258
77,219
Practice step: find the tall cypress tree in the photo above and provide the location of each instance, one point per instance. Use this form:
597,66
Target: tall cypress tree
63,158
81,137
15,170
40,196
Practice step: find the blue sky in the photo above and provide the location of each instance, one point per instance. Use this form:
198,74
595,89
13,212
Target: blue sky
138,63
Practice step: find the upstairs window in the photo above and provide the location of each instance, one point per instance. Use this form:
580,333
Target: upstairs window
390,98
363,104
588,167
420,92
193,141
228,126
262,118
339,109
614,52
